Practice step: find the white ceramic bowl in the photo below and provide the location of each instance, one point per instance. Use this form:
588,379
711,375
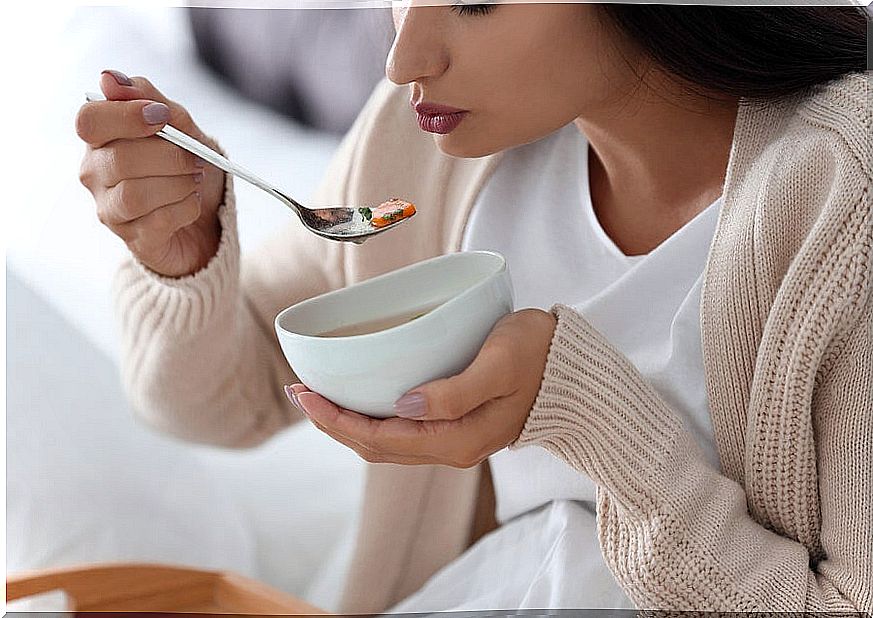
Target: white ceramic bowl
368,373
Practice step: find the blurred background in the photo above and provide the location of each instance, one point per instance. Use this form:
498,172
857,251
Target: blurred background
85,481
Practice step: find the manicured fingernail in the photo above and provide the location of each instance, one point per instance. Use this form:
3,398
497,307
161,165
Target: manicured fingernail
412,405
120,78
198,177
290,394
156,113
197,194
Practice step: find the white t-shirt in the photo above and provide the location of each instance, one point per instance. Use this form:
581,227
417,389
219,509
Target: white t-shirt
536,210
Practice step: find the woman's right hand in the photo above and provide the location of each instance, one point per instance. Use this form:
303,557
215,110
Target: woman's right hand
161,200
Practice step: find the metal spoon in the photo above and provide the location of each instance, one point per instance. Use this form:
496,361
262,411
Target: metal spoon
342,223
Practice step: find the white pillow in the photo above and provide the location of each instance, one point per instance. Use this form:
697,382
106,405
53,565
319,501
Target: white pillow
85,481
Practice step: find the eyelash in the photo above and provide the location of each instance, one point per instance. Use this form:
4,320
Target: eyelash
472,9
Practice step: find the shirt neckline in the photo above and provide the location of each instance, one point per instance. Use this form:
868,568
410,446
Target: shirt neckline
588,207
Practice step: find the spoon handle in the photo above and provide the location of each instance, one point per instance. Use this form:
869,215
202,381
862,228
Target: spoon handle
185,141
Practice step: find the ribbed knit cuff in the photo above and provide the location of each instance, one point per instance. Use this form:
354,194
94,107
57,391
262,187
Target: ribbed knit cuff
182,306
595,411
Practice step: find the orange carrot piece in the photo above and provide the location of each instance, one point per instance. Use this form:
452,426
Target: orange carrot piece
393,210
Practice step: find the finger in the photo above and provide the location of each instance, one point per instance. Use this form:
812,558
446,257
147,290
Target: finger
489,376
133,198
397,437
317,408
298,388
372,456
141,158
291,392
344,440
359,428
117,86
101,122
151,232
396,440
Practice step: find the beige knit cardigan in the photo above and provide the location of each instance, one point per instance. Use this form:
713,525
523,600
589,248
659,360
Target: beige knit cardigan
783,525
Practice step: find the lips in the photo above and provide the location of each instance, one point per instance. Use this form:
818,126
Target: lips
435,118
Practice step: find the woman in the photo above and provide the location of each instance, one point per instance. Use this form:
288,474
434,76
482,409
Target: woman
694,182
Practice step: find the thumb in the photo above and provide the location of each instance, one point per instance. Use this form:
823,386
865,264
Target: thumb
117,86
488,377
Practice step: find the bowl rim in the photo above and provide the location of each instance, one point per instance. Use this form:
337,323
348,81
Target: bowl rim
468,291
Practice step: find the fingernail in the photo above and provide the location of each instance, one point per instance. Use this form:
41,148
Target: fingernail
198,177
300,406
156,113
292,397
197,194
120,78
412,405
198,162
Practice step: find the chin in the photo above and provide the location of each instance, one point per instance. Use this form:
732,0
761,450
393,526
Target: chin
455,146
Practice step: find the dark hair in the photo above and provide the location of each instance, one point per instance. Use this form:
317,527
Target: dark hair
751,52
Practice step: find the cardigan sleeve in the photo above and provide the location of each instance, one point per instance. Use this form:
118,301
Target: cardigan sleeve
184,342
200,357
677,534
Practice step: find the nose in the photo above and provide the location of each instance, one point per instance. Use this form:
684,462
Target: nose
418,52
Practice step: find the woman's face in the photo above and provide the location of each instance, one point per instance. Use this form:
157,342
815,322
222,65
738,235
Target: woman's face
521,70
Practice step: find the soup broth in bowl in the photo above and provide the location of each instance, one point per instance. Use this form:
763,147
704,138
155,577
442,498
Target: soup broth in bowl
374,326
364,346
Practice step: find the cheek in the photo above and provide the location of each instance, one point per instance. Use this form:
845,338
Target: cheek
507,113
521,110
550,75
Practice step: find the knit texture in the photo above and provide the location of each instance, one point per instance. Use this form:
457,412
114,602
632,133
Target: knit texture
783,525
173,329
678,534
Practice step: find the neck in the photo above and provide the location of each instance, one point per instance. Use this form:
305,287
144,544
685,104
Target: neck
657,162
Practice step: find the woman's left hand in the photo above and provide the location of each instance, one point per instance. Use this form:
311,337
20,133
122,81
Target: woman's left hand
457,421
